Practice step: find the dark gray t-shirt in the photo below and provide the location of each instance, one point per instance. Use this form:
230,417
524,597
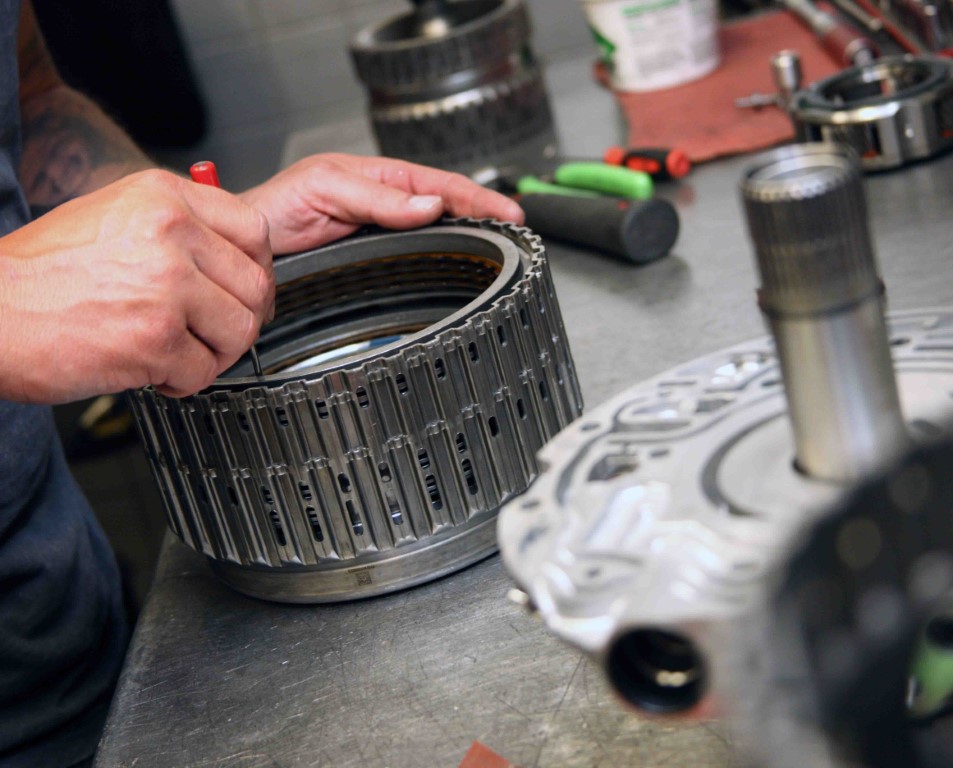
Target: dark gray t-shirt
62,632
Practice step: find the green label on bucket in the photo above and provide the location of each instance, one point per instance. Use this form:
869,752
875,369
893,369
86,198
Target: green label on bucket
606,47
638,10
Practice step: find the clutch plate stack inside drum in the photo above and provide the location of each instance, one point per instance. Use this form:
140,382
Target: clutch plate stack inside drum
410,378
456,85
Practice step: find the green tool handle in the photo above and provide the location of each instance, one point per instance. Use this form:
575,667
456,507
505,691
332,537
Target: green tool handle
607,179
531,185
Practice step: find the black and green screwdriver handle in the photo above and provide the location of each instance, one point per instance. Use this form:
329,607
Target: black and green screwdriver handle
588,179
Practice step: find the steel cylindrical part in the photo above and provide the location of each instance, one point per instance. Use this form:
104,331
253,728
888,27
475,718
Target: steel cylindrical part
456,85
823,299
788,75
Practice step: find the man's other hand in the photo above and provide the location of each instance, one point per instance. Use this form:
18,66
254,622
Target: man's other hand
325,197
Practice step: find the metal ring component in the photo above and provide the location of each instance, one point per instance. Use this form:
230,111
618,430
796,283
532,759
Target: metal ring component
464,97
663,514
666,517
410,378
892,112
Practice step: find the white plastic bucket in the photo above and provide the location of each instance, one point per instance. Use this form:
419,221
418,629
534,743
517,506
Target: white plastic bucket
652,44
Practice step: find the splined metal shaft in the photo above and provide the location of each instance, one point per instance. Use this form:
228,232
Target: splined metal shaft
823,300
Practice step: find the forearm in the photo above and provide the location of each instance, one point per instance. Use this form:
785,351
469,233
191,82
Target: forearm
70,148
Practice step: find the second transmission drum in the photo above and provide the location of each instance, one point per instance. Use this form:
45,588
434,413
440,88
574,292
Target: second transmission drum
456,85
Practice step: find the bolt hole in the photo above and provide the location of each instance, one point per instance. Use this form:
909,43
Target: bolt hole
656,670
494,426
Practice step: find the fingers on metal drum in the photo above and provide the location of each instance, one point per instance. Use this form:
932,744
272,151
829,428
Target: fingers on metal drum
409,380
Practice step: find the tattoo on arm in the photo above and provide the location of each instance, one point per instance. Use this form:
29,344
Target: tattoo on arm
70,147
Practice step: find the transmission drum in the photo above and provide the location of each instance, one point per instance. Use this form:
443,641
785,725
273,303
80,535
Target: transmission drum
409,380
460,90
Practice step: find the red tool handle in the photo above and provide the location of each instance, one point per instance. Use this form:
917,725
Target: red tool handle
660,163
205,172
844,44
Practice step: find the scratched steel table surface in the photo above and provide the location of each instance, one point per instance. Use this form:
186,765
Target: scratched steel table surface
411,680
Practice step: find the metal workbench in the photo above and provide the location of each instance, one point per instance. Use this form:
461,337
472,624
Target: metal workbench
411,680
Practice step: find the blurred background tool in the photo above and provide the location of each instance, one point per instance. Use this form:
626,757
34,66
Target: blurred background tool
456,85
899,35
787,75
639,231
848,46
661,163
927,23
851,9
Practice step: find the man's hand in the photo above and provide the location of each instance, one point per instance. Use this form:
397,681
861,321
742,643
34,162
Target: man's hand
325,197
151,280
